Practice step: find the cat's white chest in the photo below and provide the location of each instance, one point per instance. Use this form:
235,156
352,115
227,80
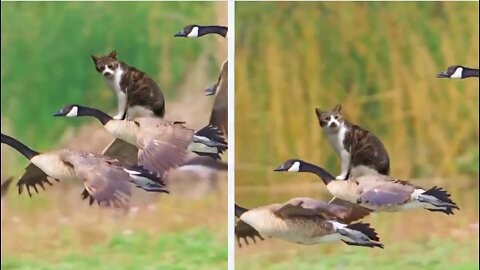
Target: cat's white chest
114,82
336,139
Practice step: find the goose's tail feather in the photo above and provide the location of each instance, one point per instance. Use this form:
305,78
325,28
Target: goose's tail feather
360,234
439,199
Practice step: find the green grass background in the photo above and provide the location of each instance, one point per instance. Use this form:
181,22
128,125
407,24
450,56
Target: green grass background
45,64
173,251
46,49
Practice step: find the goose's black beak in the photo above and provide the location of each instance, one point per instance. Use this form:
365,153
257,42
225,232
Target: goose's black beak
443,75
59,113
180,34
280,168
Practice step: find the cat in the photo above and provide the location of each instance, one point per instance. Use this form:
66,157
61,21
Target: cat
360,151
138,95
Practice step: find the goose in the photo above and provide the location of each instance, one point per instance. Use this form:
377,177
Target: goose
304,221
158,144
195,31
459,72
106,180
377,192
219,114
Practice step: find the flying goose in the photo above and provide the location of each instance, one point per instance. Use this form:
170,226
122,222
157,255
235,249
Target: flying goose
304,221
377,192
459,72
162,145
105,179
219,115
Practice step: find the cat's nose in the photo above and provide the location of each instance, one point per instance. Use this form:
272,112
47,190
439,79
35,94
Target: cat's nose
333,124
107,74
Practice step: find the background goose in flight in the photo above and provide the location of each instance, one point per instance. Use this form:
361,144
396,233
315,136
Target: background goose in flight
305,221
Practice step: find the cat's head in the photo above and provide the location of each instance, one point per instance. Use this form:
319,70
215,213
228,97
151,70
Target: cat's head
107,65
330,119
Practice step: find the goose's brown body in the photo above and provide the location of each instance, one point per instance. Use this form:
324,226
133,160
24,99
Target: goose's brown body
305,221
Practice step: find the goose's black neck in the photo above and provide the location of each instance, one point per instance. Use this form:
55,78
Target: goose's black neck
470,72
213,29
101,116
20,147
320,172
239,210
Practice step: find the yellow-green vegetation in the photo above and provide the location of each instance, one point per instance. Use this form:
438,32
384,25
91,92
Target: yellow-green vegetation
379,60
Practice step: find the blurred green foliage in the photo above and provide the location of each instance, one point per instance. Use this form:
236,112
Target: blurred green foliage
379,60
443,254
194,249
46,49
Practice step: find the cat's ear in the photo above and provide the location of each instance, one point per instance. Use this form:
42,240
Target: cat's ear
113,55
337,109
95,58
319,112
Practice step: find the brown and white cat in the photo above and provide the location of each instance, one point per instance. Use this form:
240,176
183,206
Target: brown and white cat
360,151
138,95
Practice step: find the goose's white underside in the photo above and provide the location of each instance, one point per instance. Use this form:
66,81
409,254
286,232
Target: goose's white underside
52,166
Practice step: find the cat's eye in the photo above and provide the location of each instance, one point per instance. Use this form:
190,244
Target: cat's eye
110,66
336,116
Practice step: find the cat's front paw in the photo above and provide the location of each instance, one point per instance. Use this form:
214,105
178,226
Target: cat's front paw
118,117
341,177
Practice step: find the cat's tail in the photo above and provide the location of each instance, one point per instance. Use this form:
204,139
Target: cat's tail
209,141
358,234
439,199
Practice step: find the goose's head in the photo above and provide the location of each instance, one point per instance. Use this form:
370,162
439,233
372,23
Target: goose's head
189,31
291,165
453,72
71,110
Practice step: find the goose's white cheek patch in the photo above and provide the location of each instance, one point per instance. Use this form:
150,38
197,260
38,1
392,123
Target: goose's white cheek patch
295,167
457,74
194,32
73,112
